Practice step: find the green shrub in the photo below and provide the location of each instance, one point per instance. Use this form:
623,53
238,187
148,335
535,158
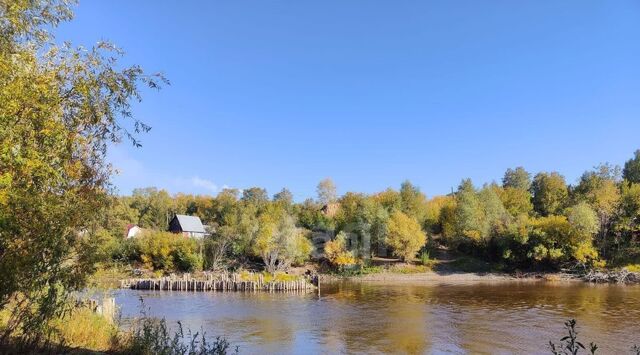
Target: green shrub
425,257
168,251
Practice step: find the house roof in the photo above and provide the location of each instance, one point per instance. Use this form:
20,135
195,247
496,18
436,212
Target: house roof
190,223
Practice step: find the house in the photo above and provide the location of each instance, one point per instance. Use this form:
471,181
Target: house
132,231
189,226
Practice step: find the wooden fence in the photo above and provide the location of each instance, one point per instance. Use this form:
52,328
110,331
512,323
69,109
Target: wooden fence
221,282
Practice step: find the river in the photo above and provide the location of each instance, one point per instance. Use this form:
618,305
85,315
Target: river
351,317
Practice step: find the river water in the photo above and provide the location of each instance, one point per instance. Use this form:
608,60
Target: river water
349,317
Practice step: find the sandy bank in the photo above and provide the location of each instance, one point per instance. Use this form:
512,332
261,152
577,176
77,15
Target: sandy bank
453,277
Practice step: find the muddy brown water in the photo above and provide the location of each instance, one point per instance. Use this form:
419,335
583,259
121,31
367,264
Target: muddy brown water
368,318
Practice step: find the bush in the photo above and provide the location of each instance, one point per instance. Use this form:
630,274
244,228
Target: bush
169,251
336,252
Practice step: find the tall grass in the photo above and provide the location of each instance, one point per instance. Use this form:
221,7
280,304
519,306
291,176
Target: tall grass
151,336
425,257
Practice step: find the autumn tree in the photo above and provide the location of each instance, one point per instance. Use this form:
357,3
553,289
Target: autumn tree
60,108
284,196
517,178
550,193
404,235
327,191
412,201
337,253
585,223
600,190
278,241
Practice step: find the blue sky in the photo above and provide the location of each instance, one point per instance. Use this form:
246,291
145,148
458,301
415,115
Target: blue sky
370,93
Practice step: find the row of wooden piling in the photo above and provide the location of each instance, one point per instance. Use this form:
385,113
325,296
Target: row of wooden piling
220,282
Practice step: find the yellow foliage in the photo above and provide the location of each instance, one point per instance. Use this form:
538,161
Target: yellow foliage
404,235
337,253
85,329
633,267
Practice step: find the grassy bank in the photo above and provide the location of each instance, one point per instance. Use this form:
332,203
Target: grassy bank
82,331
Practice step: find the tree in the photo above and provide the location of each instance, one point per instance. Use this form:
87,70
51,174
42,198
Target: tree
468,213
550,193
255,195
599,189
366,218
404,235
336,252
517,178
326,191
495,216
625,226
583,219
549,239
631,171
60,108
278,242
585,223
516,201
285,196
154,207
413,202
433,213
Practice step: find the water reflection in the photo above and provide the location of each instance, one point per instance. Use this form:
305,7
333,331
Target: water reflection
413,319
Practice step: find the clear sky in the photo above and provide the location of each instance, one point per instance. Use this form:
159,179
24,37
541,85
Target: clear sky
370,93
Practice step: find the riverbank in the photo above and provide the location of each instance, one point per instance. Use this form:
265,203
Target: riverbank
451,278
432,277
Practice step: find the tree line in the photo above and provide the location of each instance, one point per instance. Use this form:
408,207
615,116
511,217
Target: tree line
524,221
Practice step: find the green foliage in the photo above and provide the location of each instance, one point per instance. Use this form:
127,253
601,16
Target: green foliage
168,251
517,178
412,201
425,258
569,344
599,188
154,207
516,201
60,108
284,196
631,170
311,217
550,193
468,213
278,241
365,218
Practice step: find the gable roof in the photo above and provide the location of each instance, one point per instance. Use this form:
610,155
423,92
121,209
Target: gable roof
190,223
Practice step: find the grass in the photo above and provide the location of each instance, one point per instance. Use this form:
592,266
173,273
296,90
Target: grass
81,331
409,269
85,329
268,277
108,277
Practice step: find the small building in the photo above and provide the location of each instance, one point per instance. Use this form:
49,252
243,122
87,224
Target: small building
189,226
132,231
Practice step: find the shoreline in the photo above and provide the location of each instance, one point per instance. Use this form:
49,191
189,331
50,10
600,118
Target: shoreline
471,277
